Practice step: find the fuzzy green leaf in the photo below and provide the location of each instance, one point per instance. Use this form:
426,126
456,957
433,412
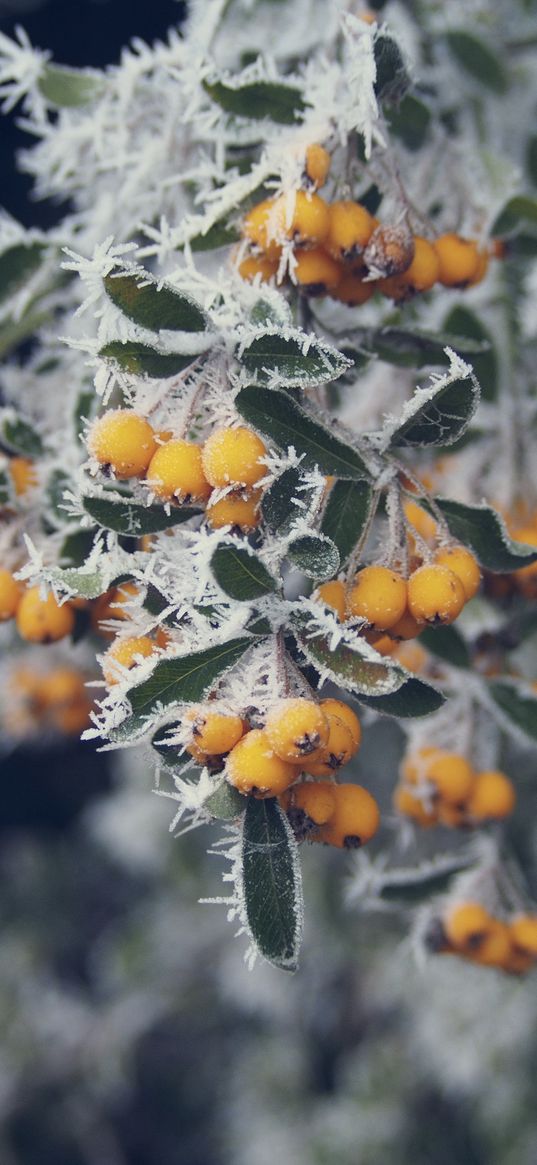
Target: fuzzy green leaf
412,886
153,306
483,531
6,488
392,80
75,547
283,104
272,354
142,360
417,348
134,519
279,504
442,419
20,437
280,418
464,323
240,574
448,644
345,665
315,555
413,698
225,803
477,59
69,88
517,215
410,122
347,511
17,264
518,706
84,583
272,884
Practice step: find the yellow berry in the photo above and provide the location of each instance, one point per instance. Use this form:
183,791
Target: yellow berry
464,564
435,594
332,594
214,733
316,799
523,930
124,441
340,747
10,595
407,627
458,258
483,259
337,708
263,226
353,291
43,620
349,230
495,948
62,686
383,643
252,766
124,655
296,729
379,596
316,272
176,471
466,925
71,719
317,165
493,797
423,523
411,655
451,775
233,457
23,475
424,269
411,806
355,819
235,509
308,225
258,265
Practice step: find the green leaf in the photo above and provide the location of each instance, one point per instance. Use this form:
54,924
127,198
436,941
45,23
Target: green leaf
347,511
135,519
240,574
6,488
315,555
280,418
17,265
477,59
154,306
413,698
283,104
280,503
517,705
272,884
87,584
463,322
483,531
86,405
20,437
411,886
416,348
447,643
271,354
181,680
69,88
15,332
517,215
75,547
410,121
142,360
346,665
442,419
392,80
225,803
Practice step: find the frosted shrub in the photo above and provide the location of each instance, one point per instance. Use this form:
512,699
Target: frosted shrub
267,459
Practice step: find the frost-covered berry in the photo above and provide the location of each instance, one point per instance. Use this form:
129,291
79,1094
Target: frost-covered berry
297,729
349,231
464,564
317,165
235,509
213,732
332,594
176,472
122,440
337,752
409,805
316,799
337,708
315,272
252,766
43,620
258,266
355,819
124,655
233,457
10,595
390,250
435,594
379,596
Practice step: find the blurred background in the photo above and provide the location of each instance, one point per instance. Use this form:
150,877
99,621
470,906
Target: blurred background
131,1032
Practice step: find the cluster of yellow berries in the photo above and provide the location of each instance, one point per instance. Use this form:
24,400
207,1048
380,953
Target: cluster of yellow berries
57,700
433,594
470,931
182,471
342,250
442,787
38,620
299,737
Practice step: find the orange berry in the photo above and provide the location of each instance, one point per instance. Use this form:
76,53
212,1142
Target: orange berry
124,441
523,930
176,471
308,224
464,564
353,291
467,924
382,643
483,259
451,775
379,596
263,226
233,457
317,165
336,708
332,594
407,627
414,807
525,577
10,595
317,799
435,594
235,509
71,719
316,272
411,655
23,475
338,750
423,523
62,686
390,250
414,768
424,269
124,655
458,258
355,819
258,265
43,620
349,230
495,949
252,766
296,728
214,733
493,797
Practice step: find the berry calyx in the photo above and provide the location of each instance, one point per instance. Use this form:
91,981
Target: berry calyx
297,729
